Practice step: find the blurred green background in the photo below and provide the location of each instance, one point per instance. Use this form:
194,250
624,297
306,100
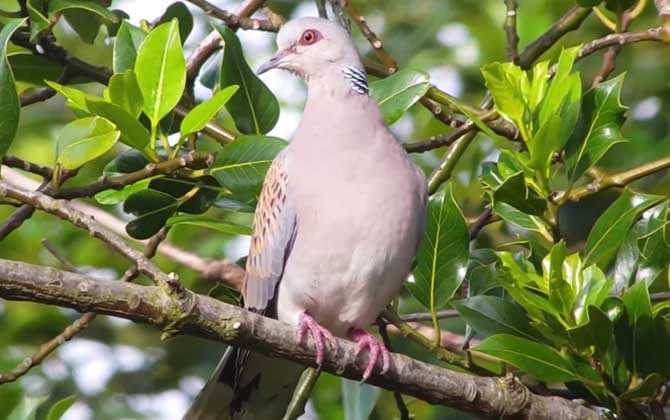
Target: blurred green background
121,370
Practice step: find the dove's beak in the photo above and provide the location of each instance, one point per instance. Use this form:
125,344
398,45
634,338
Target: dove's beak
276,61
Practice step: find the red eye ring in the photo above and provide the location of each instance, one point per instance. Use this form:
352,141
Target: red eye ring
309,37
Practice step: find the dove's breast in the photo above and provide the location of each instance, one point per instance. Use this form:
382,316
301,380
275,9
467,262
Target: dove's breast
355,243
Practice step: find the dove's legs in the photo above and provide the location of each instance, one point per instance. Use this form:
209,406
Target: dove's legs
320,334
377,349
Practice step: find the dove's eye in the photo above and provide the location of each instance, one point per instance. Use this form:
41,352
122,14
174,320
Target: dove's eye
309,37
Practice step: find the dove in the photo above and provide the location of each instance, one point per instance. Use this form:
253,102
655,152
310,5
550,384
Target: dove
338,222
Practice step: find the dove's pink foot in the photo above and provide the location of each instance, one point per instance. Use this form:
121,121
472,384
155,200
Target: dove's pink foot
320,334
365,339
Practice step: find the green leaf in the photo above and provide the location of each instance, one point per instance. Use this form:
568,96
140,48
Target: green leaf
546,141
207,192
133,133
604,115
646,388
253,107
521,219
507,84
199,116
27,408
210,223
442,258
490,315
76,99
60,407
597,332
241,166
619,6
536,359
84,23
9,100
179,11
90,6
124,91
126,44
588,3
612,226
637,302
84,140
592,288
114,197
39,23
398,92
626,263
654,251
152,208
161,71
358,399
505,181
33,69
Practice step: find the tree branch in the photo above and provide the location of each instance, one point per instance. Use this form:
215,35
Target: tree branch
376,43
620,179
233,19
209,318
568,22
511,31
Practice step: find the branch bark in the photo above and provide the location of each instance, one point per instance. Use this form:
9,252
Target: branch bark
208,318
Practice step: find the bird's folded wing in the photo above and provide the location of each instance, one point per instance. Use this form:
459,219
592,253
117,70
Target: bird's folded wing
272,239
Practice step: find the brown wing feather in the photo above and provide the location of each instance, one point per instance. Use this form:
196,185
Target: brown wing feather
273,232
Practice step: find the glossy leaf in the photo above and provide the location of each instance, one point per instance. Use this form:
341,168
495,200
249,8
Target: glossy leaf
241,166
161,71
199,116
648,387
521,219
127,161
76,99
39,22
124,91
654,250
592,289
60,407
9,100
85,24
396,93
490,315
152,208
84,140
126,44
113,197
505,81
612,226
90,6
603,115
210,223
358,399
596,332
179,11
203,192
253,107
536,359
442,258
33,69
627,259
133,133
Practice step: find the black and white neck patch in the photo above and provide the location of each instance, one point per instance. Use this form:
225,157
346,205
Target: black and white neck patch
357,78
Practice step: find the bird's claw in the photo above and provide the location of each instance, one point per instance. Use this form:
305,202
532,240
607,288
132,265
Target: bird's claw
376,348
320,335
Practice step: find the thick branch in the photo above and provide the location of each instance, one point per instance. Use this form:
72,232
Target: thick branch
209,318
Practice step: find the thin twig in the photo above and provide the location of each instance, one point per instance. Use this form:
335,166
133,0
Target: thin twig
479,223
652,34
212,42
376,43
18,163
441,140
399,402
82,322
568,22
511,31
620,179
194,159
233,19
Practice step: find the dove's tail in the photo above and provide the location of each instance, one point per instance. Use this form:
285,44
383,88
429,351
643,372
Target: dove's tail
246,386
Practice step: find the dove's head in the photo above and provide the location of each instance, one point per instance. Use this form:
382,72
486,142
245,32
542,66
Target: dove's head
313,47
